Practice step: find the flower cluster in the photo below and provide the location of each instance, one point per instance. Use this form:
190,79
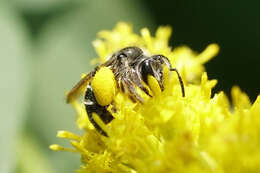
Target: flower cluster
200,132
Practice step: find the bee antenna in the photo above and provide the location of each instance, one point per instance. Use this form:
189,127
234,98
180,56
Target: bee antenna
180,80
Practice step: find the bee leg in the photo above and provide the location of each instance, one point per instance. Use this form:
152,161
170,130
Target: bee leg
92,106
140,85
130,87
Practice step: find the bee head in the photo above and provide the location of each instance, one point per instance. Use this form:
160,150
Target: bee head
153,66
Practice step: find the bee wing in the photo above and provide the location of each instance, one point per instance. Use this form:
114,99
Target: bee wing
79,88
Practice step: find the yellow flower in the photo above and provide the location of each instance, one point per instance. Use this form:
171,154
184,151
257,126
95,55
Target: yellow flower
169,133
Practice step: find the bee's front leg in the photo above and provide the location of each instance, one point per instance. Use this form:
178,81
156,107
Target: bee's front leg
92,106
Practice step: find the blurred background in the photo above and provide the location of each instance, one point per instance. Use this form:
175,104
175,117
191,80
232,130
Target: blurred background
46,44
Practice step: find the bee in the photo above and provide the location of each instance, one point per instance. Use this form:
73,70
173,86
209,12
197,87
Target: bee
131,68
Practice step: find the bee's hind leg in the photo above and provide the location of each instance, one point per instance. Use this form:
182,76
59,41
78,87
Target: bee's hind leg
92,106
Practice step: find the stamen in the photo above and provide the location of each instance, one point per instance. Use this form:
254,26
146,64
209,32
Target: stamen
154,85
210,52
99,122
56,147
68,135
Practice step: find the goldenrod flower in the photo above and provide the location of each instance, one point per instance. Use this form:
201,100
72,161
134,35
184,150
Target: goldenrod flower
200,132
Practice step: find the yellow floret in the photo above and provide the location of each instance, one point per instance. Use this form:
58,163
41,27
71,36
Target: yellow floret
154,85
104,86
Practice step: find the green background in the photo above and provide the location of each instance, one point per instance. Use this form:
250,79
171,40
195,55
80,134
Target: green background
46,44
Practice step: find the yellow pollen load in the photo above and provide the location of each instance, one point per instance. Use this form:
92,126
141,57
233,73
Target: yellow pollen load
104,86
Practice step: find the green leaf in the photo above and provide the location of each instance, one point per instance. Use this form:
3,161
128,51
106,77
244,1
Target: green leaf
40,6
32,157
15,83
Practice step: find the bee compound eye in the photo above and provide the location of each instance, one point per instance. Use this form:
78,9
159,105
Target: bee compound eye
146,69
